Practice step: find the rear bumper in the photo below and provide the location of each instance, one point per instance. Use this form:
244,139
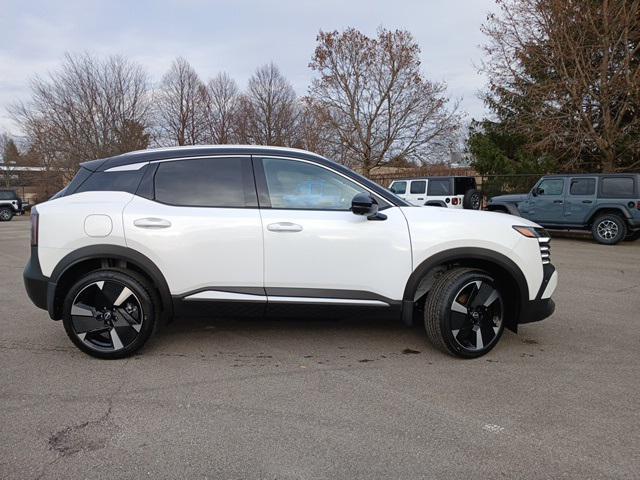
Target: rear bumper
35,282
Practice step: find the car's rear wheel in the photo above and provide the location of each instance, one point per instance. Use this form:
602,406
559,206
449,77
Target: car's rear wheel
6,214
110,313
464,313
472,200
609,229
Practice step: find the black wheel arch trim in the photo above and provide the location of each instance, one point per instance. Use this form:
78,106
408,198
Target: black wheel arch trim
460,255
509,207
605,208
117,252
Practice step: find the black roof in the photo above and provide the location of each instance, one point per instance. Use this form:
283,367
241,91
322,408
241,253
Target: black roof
143,156
590,174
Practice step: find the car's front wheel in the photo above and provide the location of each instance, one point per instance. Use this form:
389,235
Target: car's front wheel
6,214
609,229
464,312
110,313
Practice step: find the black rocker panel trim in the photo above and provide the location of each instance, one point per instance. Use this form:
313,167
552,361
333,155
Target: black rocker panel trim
107,251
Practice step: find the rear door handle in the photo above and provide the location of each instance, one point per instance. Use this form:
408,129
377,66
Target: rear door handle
284,227
557,201
152,222
587,201
421,198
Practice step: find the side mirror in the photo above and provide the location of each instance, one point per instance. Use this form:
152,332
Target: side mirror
535,191
364,204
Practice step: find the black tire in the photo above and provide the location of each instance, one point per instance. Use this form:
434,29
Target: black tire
6,214
470,334
472,200
102,321
609,229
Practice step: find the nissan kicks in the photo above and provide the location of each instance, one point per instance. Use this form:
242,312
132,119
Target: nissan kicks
139,238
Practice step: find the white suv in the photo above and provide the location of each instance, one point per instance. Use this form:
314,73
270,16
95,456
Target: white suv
137,239
448,192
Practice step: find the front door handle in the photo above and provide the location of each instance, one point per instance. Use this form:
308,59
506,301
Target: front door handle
557,201
284,227
152,222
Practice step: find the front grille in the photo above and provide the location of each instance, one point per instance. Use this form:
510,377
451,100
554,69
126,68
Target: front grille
545,249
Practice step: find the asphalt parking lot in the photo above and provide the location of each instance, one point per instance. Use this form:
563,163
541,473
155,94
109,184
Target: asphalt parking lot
224,399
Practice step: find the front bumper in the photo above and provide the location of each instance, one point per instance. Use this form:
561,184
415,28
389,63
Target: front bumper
35,282
542,306
536,310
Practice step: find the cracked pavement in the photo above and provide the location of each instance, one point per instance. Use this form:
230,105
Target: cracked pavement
288,399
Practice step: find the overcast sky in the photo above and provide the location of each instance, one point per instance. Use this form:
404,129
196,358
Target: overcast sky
232,35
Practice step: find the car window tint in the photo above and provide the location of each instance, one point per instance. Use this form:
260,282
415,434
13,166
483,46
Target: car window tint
551,186
621,187
298,185
399,187
7,195
418,186
439,187
582,186
206,182
123,181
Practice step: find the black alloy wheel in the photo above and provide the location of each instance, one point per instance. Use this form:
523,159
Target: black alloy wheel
109,314
464,312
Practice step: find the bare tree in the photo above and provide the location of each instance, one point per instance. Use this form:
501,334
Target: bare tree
180,104
565,75
222,107
376,99
85,110
269,109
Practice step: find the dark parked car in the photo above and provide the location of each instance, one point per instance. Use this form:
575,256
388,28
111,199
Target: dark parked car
10,205
608,205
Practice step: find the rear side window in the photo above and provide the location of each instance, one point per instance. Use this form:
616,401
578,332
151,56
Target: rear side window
207,182
439,187
122,181
582,186
418,186
398,188
462,185
617,187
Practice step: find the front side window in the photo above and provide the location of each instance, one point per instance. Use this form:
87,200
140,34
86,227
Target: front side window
298,185
418,186
582,186
399,188
617,187
439,187
551,186
207,182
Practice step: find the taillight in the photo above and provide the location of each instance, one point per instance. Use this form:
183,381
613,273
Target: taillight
638,205
35,220
454,201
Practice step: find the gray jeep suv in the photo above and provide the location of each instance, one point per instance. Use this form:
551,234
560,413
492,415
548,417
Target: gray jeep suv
608,205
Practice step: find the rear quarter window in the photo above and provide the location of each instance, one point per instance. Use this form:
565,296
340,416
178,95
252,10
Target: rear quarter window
617,187
439,187
122,181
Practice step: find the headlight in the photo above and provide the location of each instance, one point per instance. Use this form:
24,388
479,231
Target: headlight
531,232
